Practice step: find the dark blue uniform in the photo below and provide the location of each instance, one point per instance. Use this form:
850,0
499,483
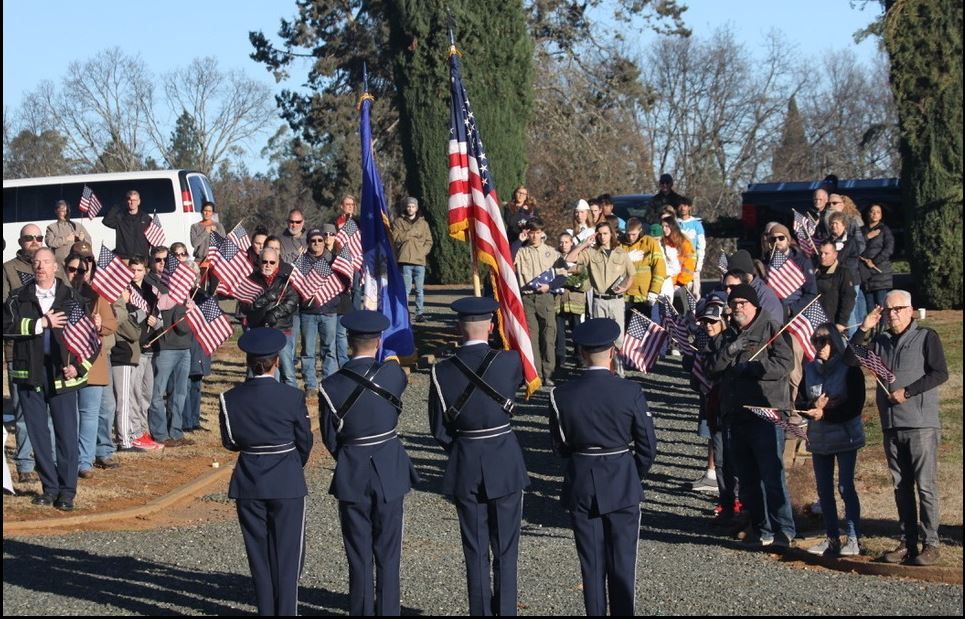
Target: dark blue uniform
268,423
593,421
485,474
372,476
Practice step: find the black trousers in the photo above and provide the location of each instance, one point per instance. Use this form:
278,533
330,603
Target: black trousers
274,532
607,547
59,479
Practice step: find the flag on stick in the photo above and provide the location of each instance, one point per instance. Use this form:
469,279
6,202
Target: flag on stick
775,416
155,233
330,284
349,258
89,204
231,264
804,232
209,325
869,359
80,334
178,277
784,275
643,342
803,325
138,300
112,276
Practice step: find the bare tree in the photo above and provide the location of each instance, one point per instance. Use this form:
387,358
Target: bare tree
229,110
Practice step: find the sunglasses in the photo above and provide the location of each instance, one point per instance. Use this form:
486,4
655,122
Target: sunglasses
180,254
76,270
160,259
780,237
895,310
316,240
269,262
30,237
296,221
820,342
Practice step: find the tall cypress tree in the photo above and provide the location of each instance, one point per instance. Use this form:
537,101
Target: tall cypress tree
496,69
924,43
792,156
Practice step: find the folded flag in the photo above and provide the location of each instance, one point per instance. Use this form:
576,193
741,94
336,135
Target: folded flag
546,277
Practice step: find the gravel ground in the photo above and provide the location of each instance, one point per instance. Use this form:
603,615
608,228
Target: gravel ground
684,568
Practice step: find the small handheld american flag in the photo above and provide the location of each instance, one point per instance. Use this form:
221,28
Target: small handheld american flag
209,325
155,233
869,359
178,277
784,276
349,259
775,416
803,325
80,334
112,276
804,232
89,204
643,342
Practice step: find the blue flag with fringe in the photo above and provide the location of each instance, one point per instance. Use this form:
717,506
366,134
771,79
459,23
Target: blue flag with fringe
384,289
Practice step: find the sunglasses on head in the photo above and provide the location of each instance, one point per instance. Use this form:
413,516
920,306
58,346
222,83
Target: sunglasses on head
80,270
30,237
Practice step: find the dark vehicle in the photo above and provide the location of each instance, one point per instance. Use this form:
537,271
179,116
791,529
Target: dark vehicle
637,205
764,202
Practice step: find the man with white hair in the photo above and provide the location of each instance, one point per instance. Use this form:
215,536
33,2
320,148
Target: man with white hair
910,421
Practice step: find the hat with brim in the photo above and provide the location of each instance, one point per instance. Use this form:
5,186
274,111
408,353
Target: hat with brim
473,309
596,334
262,341
365,323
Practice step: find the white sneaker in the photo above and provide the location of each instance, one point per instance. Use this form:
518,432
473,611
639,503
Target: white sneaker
851,548
705,483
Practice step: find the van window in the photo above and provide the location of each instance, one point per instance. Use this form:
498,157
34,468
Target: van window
200,190
31,204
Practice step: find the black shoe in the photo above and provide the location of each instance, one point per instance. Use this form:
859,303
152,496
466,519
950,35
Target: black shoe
106,463
43,499
27,477
86,474
420,318
64,505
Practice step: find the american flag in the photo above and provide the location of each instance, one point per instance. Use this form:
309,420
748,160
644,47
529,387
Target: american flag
802,326
774,416
299,278
80,334
676,326
178,277
155,233
698,369
111,276
25,277
209,325
869,359
643,342
230,265
138,300
89,204
722,262
784,275
349,259
239,237
330,285
214,244
473,203
804,232
247,290
546,277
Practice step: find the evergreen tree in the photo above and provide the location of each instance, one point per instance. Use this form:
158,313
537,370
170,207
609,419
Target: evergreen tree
185,150
792,155
496,69
924,42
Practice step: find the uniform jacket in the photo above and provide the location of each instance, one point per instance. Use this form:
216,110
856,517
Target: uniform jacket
762,382
21,311
267,422
130,231
412,240
602,410
386,464
61,235
490,468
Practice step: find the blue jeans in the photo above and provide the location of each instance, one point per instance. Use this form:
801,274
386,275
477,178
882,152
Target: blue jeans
169,366
286,361
341,346
415,272
859,311
192,411
758,448
873,298
105,423
824,476
88,412
318,328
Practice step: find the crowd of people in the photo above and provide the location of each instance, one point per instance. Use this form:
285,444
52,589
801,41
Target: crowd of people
140,388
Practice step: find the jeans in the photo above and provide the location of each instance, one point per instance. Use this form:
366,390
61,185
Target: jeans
341,344
286,361
726,475
873,298
192,411
170,366
318,328
105,424
88,412
415,272
23,456
912,456
758,448
824,476
859,311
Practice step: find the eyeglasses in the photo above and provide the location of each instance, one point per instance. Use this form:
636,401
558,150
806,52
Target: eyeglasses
76,270
30,237
296,221
160,259
316,240
776,238
737,303
180,254
269,262
895,310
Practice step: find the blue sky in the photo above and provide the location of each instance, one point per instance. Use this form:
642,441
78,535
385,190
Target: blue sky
40,39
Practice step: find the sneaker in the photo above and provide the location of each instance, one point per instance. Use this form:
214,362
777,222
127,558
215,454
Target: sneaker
706,483
851,548
829,547
146,443
133,448
929,555
738,506
899,555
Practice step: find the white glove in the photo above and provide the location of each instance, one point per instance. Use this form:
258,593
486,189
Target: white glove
636,255
651,297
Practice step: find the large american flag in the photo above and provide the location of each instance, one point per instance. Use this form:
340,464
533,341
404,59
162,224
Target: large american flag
869,359
784,275
80,334
474,205
349,258
178,277
804,229
775,416
111,276
643,342
155,233
89,204
803,325
230,263
209,325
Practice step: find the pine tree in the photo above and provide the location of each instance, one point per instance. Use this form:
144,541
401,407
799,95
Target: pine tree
791,157
924,43
496,69
185,150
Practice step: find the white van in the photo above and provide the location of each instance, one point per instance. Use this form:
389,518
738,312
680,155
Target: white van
175,195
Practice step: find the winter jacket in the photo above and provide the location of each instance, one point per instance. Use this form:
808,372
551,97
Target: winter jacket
837,292
267,310
878,249
61,236
130,239
412,240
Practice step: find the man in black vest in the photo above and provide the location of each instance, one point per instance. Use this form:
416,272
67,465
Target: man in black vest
470,405
593,420
359,410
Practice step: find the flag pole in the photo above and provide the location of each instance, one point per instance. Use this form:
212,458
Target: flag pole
810,238
162,333
775,336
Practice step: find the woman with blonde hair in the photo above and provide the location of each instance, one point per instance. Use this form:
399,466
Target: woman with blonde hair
582,226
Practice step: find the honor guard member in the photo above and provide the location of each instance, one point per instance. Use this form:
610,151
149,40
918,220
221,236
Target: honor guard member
593,420
359,413
267,422
470,406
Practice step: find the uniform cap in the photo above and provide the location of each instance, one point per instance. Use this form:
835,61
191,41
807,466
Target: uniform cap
596,334
365,322
472,309
262,341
